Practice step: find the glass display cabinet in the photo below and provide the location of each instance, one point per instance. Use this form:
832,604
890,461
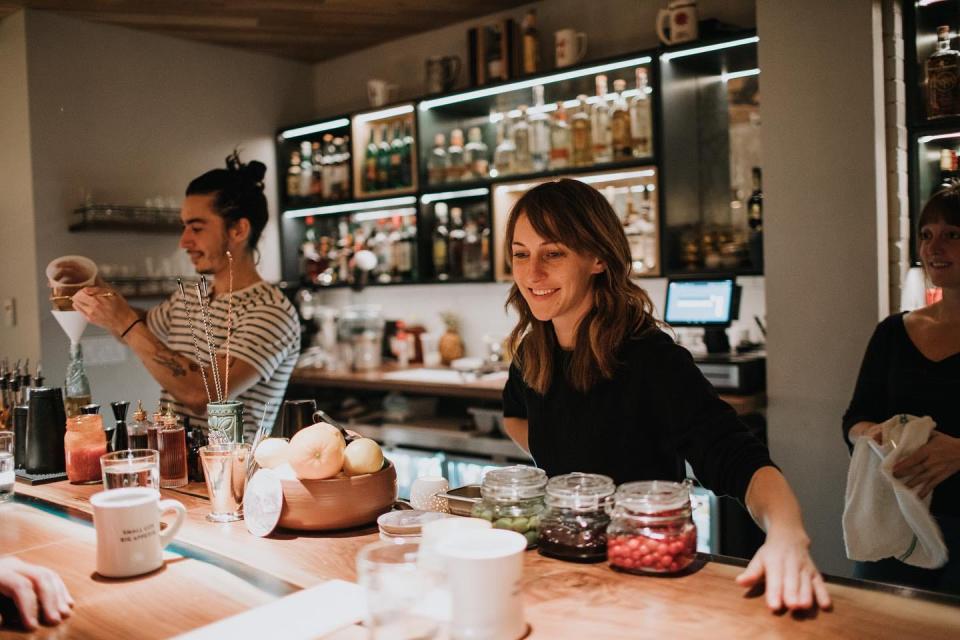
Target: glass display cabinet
313,162
455,231
385,152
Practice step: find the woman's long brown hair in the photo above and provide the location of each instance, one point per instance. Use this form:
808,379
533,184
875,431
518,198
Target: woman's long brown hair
577,216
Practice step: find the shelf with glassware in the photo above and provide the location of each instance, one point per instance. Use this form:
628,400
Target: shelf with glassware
932,75
315,161
592,117
712,191
384,152
112,217
631,192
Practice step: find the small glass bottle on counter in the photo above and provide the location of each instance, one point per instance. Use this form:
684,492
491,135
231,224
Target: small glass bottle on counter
513,498
574,525
152,442
652,529
83,444
137,430
172,445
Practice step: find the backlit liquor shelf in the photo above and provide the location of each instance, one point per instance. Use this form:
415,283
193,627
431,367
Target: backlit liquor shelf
670,137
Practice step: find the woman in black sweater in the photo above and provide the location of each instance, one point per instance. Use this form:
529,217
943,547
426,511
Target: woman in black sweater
596,386
912,365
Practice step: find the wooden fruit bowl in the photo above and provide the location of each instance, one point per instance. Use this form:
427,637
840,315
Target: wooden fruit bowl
340,502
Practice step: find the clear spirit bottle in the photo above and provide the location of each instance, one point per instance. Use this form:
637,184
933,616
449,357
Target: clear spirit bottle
457,239
476,156
539,131
560,150
523,158
472,250
640,118
602,147
620,124
503,155
582,138
456,165
438,162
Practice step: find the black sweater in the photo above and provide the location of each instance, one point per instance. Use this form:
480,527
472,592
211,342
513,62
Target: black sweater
656,411
896,378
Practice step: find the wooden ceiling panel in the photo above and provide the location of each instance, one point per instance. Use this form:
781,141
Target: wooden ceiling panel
305,30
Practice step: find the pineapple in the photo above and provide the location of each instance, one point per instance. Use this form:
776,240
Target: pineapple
451,346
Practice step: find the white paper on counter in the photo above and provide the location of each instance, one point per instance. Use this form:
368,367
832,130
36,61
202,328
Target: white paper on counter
307,614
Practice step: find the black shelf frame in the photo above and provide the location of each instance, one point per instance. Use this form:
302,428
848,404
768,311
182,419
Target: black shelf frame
291,234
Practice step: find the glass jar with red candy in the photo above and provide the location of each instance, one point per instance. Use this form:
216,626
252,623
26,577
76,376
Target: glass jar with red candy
83,444
651,529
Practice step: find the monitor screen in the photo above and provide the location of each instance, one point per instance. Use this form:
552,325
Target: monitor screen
697,303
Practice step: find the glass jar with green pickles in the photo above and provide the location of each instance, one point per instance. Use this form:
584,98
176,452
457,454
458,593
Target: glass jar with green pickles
513,498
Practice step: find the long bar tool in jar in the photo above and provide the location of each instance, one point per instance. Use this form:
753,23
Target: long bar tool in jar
512,498
574,524
652,529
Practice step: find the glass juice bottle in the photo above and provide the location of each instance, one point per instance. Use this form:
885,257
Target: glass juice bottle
77,385
172,444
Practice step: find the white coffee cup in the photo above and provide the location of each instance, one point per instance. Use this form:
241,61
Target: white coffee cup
681,17
129,541
380,92
570,46
483,569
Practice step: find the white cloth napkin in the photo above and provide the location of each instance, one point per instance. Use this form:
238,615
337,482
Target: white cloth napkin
882,517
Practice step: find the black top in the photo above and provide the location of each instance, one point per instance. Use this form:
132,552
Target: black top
656,411
896,378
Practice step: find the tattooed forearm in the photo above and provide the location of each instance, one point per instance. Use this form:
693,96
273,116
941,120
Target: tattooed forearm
170,359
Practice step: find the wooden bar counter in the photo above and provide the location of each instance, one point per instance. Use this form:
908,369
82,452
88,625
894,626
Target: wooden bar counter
235,571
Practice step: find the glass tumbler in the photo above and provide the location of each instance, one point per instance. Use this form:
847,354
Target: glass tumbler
7,477
395,584
225,471
131,468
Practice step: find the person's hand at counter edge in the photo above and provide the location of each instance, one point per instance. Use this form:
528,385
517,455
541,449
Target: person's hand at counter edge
34,590
791,578
112,313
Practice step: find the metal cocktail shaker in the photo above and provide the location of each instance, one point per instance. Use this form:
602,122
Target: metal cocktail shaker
46,427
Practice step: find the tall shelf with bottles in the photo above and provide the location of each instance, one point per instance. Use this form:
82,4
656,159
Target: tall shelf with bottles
439,175
932,76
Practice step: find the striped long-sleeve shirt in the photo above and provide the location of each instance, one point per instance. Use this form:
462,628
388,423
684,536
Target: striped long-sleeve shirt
265,335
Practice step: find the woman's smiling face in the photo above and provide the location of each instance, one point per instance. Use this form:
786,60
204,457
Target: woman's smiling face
556,281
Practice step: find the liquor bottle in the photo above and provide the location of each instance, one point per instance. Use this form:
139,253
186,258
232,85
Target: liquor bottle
942,77
172,445
406,165
383,159
137,430
306,168
379,244
635,237
77,387
530,43
153,426
455,247
456,165
440,241
316,180
370,163
331,186
620,124
582,138
408,264
640,118
602,147
539,131
341,168
523,158
476,156
560,141
948,169
755,201
293,176
505,151
472,250
396,157
438,162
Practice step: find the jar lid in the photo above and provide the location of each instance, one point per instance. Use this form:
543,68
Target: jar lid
654,496
517,482
579,491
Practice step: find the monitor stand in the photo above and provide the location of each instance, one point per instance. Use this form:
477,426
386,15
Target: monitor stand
715,338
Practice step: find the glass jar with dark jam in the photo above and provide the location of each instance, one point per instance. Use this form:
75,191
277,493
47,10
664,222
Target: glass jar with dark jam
651,528
574,525
512,498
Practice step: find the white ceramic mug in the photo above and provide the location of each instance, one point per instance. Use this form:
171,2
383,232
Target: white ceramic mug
129,541
570,45
681,17
483,569
380,92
